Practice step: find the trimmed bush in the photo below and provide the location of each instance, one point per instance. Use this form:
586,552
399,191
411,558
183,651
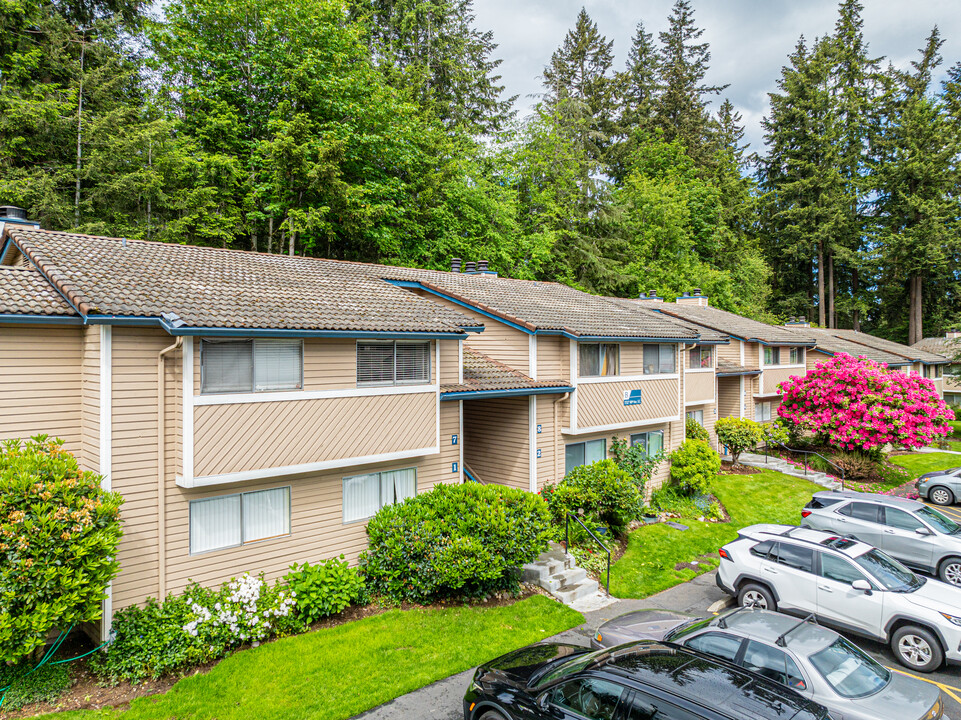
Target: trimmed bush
196,627
59,533
324,589
693,466
738,435
693,430
602,491
454,541
634,460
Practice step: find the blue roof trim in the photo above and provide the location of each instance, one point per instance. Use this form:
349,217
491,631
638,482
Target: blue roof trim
24,319
477,394
420,286
269,332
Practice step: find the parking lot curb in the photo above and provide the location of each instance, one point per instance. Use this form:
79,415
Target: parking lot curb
720,605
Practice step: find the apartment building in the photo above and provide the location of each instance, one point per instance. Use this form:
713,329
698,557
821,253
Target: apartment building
255,410
750,367
947,346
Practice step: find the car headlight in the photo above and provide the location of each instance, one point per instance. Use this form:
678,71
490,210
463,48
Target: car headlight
953,619
936,711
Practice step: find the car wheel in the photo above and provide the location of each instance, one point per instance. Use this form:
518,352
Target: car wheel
917,648
491,715
941,496
757,595
950,571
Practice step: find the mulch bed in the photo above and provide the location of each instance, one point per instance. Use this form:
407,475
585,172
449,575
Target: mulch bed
728,469
89,692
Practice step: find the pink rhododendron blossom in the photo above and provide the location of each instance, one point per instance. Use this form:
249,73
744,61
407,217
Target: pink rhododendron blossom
857,403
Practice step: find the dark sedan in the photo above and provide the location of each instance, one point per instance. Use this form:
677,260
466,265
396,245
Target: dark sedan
635,681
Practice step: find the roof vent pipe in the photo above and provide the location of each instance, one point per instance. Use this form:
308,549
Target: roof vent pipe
697,291
455,265
470,266
685,294
13,212
481,266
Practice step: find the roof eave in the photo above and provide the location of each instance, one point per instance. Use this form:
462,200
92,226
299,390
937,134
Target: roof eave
482,394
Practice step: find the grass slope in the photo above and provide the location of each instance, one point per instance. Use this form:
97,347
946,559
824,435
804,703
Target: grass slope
339,672
920,463
647,567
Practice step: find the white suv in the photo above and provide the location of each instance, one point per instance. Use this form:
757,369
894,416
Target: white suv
847,584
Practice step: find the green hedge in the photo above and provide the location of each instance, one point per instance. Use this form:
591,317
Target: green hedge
454,541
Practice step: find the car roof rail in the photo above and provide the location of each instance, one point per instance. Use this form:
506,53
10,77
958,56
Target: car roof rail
722,621
781,639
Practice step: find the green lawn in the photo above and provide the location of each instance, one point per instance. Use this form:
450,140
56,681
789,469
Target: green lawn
920,463
342,671
647,567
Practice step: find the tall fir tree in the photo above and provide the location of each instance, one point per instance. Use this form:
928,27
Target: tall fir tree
636,92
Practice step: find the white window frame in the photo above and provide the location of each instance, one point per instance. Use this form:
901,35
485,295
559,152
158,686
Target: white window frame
584,444
659,346
393,382
692,414
646,435
253,367
761,409
380,479
796,356
580,370
243,541
775,354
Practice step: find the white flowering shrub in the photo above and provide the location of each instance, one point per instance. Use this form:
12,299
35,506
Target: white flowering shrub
196,627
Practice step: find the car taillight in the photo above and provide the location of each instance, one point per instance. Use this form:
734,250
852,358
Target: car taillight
723,553
805,513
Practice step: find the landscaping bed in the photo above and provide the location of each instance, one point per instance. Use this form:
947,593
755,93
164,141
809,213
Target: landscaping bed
337,671
654,552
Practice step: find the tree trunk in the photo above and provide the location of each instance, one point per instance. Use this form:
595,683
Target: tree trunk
270,234
832,313
253,241
915,330
293,236
76,196
855,312
822,320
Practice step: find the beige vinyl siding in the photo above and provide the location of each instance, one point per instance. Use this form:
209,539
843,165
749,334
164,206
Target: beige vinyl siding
730,352
498,340
553,358
550,465
497,441
602,403
90,398
254,436
752,355
449,361
41,383
772,376
729,397
698,387
813,357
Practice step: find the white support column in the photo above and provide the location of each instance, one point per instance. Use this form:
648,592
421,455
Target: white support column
532,355
437,385
106,449
532,429
741,394
460,438
460,362
188,412
573,372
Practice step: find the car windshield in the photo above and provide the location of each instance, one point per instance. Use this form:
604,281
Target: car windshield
941,522
685,629
891,574
849,671
574,665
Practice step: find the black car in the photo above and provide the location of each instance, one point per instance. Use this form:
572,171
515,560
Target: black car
643,680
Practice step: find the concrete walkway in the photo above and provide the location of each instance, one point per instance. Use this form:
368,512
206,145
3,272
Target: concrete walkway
936,450
442,700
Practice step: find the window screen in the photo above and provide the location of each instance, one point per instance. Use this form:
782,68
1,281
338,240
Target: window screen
364,495
227,366
598,359
797,356
762,412
393,363
412,362
278,364
232,520
652,442
701,357
697,416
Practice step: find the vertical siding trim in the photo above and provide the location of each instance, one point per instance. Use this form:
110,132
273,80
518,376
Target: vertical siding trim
460,433
188,412
741,393
532,430
573,369
437,393
106,450
460,366
532,355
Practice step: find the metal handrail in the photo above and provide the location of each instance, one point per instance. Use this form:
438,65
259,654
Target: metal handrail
567,544
806,453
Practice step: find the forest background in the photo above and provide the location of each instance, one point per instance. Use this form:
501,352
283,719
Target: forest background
378,130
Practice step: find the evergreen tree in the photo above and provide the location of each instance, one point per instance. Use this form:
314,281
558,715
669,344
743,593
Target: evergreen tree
636,93
431,49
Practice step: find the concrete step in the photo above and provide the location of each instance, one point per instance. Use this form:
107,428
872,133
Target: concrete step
572,576
556,572
570,593
760,462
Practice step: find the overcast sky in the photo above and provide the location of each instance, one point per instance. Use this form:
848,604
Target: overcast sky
750,39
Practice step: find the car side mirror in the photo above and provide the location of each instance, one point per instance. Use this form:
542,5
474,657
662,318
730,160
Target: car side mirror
862,585
542,701
922,531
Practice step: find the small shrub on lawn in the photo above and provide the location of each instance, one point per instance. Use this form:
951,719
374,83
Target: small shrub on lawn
693,465
324,589
738,435
693,430
776,434
454,541
26,687
196,627
601,491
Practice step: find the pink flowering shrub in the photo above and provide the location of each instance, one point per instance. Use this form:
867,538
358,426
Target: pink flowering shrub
855,403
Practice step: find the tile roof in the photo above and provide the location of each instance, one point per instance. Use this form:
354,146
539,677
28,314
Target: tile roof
728,369
24,291
550,306
912,353
707,334
946,347
213,287
483,373
736,325
833,344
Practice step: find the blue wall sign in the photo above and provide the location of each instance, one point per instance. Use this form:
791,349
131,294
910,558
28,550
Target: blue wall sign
632,397
453,467
453,439
538,452
538,429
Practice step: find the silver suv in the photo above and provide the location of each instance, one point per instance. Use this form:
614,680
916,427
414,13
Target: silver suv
813,660
942,487
919,536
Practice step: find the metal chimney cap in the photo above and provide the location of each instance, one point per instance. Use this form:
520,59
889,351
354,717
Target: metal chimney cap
481,266
470,266
697,291
13,212
455,264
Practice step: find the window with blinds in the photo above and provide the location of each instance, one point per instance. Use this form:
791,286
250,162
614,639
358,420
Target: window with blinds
231,520
364,495
393,362
659,359
263,365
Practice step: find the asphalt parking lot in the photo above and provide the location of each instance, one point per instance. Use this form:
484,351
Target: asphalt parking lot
442,699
